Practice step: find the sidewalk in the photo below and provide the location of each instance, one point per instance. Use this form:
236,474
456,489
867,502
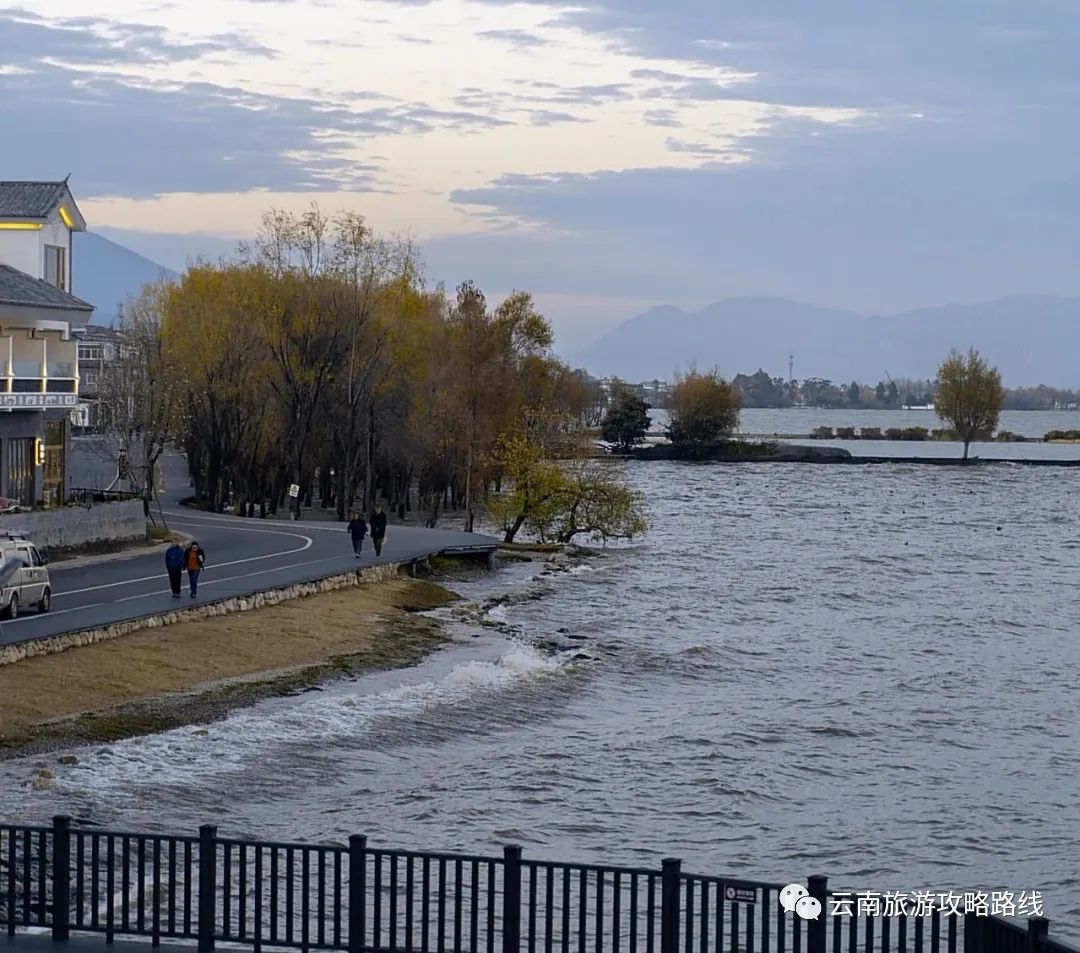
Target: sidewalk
128,552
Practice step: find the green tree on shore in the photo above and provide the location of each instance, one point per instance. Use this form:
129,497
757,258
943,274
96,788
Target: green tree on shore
704,409
627,419
969,396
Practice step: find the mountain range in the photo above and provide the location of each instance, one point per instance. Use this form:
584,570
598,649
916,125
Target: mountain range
1033,339
106,274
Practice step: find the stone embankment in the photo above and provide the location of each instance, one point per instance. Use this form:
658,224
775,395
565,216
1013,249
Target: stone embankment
259,600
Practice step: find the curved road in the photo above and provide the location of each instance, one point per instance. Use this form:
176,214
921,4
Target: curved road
243,556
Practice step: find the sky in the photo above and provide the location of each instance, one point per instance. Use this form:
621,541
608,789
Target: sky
857,154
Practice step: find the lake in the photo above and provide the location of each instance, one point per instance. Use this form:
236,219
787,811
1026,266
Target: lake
863,672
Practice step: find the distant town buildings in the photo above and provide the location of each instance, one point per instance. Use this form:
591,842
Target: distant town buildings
98,347
761,390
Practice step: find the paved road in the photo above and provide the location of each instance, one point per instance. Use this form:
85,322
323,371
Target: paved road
243,556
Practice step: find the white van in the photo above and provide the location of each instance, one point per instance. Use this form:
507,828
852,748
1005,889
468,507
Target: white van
30,586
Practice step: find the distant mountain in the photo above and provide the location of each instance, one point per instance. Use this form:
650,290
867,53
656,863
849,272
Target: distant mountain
1032,339
107,274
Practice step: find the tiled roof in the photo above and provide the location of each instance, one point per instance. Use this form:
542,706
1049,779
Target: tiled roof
100,334
19,288
30,199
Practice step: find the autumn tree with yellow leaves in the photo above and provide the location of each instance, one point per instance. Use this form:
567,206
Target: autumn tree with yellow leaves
317,357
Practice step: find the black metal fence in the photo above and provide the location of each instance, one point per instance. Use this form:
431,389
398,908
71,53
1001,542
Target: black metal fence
356,898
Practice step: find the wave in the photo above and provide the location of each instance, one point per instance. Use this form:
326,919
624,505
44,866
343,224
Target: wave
333,719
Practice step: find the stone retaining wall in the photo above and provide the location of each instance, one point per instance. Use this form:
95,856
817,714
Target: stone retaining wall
258,600
72,526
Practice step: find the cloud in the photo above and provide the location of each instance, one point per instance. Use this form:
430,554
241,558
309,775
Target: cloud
847,217
946,167
517,39
27,38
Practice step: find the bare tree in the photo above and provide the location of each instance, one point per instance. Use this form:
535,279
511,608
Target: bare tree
141,396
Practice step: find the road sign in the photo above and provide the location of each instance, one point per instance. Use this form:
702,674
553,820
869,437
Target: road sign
740,894
294,490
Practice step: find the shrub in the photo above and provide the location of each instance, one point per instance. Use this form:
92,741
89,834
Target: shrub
1063,435
1007,436
822,433
870,433
945,433
906,433
845,433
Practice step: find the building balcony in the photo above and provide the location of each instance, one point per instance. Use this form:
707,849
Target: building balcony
38,392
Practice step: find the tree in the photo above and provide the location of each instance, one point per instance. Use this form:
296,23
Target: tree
594,499
534,483
559,500
704,409
142,392
969,396
627,419
854,393
216,345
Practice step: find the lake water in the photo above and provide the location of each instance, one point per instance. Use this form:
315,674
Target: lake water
864,672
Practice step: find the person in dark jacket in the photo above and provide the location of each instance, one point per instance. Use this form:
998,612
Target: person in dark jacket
194,560
174,564
357,529
378,530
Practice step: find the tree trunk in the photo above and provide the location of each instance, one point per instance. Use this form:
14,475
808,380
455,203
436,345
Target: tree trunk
369,464
513,530
468,490
339,492
967,443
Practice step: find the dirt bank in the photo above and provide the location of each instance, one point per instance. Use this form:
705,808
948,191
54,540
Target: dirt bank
162,678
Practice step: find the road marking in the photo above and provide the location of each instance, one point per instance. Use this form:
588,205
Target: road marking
246,575
218,519
52,612
308,543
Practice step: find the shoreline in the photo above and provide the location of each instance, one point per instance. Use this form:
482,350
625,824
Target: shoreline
197,672
734,452
141,685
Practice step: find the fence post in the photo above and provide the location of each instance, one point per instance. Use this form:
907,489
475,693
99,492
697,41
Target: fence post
973,933
511,933
816,932
207,887
357,892
1038,927
61,876
671,868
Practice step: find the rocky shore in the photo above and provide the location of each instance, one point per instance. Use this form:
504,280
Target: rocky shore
739,451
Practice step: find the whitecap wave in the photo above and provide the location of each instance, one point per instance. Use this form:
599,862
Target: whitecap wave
244,737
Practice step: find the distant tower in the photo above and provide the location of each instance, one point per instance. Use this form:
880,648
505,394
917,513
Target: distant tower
790,368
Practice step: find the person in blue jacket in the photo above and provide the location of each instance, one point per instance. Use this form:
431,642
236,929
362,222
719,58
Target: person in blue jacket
174,563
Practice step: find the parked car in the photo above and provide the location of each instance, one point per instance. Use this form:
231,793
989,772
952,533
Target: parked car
29,584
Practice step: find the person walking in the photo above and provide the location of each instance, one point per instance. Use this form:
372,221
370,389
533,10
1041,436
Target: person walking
174,564
357,529
378,530
194,560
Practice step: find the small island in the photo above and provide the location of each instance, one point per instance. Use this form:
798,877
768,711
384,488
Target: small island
736,451
704,411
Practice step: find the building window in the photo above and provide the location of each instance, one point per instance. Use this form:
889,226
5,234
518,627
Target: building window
53,477
56,266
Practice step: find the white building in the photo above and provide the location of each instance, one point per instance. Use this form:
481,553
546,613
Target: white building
40,323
